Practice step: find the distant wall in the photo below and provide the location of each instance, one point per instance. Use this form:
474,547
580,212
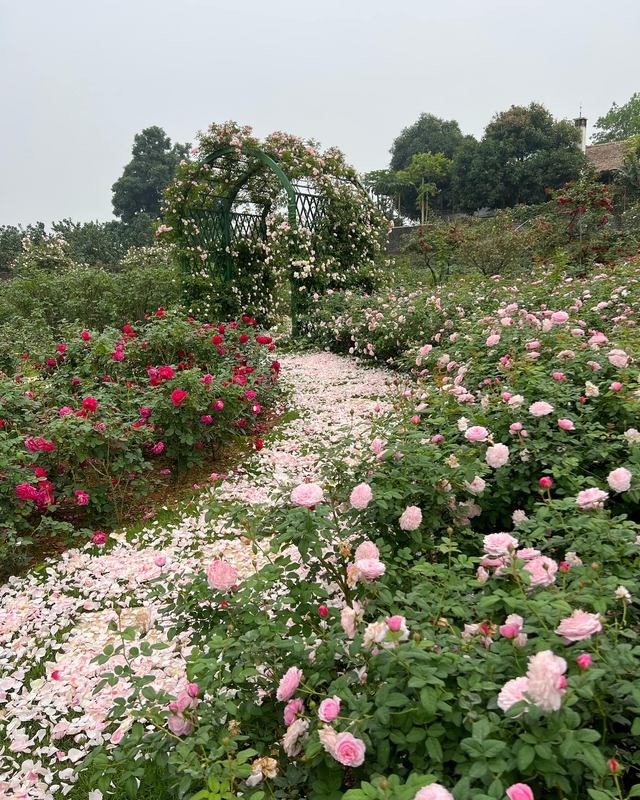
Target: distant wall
394,245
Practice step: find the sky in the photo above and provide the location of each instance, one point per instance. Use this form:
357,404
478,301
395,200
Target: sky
79,78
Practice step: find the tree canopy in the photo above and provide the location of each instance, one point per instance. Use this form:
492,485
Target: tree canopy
428,134
139,189
523,151
621,122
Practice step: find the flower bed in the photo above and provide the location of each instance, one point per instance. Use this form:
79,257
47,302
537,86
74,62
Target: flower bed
89,425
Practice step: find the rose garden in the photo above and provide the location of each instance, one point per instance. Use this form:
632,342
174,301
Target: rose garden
293,526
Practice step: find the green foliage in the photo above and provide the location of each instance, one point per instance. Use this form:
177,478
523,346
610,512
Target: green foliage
428,173
138,191
523,151
628,174
621,122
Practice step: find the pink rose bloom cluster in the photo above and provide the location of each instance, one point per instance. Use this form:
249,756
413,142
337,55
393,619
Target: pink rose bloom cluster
579,626
499,544
411,518
307,495
344,747
544,684
186,702
542,570
589,499
361,496
222,576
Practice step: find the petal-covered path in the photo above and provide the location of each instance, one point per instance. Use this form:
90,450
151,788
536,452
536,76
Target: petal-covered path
53,623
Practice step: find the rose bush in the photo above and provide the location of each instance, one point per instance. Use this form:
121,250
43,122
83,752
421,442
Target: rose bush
85,420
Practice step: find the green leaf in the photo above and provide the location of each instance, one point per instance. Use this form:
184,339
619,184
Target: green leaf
429,700
594,759
635,791
526,754
480,729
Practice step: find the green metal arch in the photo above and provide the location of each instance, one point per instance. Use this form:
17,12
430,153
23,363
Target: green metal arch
267,161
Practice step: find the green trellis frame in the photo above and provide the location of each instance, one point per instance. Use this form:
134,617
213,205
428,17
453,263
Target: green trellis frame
216,226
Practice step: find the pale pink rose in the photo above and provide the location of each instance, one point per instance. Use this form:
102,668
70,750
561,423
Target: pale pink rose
482,575
367,550
559,317
222,575
620,479
434,791
547,683
477,434
361,496
375,633
598,338
411,518
566,425
566,354
520,640
179,725
499,544
425,349
295,734
512,626
348,750
377,446
184,702
618,358
329,709
594,365
292,709
528,553
349,617
519,516
370,569
579,626
591,498
616,386
513,692
328,737
497,455
520,791
543,571
493,340
289,683
540,409
515,427
577,331
477,485
307,495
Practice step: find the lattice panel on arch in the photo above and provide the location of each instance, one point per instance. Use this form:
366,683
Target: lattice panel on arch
205,229
247,226
308,208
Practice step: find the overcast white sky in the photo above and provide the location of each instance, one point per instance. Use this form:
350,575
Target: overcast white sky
78,78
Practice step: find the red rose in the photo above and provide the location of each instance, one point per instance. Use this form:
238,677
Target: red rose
177,396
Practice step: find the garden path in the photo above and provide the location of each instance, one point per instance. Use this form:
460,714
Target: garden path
55,621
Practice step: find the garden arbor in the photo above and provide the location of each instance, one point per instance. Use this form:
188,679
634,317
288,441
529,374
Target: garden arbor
256,222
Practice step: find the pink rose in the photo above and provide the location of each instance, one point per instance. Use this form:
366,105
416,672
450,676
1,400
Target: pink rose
395,623
513,692
349,617
499,544
26,492
476,434
370,569
367,550
411,518
179,726
289,683
591,498
559,317
493,340
292,709
547,683
566,425
222,576
348,750
620,479
361,496
307,495
497,455
616,386
540,409
579,626
584,661
82,498
329,709
99,538
512,626
520,791
434,791
618,358
543,571
377,446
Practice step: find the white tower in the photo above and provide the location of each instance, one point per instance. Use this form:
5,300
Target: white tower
581,122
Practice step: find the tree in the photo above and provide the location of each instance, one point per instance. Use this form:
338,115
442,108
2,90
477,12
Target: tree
429,134
424,173
386,184
139,189
628,174
523,152
622,122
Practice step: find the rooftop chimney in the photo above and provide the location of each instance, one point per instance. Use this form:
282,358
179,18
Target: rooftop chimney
581,122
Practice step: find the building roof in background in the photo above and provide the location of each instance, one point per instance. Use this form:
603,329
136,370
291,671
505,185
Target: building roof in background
606,157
